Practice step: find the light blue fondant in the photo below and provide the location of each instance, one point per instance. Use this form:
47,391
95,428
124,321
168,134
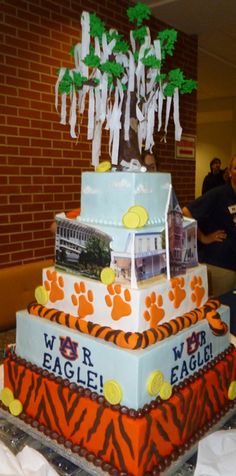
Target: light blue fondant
90,361
106,197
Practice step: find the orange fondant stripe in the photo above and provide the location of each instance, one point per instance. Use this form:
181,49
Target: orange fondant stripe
136,340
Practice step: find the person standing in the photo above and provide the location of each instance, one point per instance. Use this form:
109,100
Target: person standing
215,177
215,212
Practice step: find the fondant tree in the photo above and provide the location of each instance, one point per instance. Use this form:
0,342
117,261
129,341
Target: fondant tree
127,86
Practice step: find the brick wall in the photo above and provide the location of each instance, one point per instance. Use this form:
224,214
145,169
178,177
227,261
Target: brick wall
40,165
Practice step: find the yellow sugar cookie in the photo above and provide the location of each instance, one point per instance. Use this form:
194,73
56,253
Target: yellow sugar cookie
41,295
232,390
107,275
165,391
141,212
103,166
112,392
131,220
16,407
155,382
6,396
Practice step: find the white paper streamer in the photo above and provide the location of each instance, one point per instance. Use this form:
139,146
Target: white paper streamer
90,130
157,48
85,23
160,107
132,41
60,76
127,117
178,128
97,49
96,144
77,56
131,76
168,105
72,120
103,97
150,123
115,124
63,109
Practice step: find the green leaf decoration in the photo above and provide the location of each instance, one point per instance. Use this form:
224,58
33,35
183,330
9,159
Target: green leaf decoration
65,83
139,13
136,53
112,68
92,60
169,90
177,79
160,78
167,39
113,35
121,47
188,86
97,26
78,80
176,76
110,82
151,61
140,34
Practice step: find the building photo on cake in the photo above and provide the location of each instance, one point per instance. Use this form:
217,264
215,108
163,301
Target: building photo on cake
123,360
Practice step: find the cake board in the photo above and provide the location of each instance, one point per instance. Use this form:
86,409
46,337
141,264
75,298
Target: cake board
88,467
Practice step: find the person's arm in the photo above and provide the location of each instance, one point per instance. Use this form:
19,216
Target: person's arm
218,235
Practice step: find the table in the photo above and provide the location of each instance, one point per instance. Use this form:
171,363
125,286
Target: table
16,434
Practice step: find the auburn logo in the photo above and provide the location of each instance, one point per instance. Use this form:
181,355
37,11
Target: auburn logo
68,348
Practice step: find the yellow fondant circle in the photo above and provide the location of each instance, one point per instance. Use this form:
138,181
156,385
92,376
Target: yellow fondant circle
107,275
103,166
131,220
232,390
112,392
41,295
155,382
16,407
6,396
165,391
141,212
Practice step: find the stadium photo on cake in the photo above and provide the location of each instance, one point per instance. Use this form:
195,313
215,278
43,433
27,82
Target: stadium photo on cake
123,359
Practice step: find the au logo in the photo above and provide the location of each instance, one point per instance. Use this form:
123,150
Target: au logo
68,348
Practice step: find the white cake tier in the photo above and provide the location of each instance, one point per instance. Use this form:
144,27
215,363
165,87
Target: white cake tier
120,307
137,376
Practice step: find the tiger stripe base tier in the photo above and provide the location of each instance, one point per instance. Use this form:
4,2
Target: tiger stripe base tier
117,439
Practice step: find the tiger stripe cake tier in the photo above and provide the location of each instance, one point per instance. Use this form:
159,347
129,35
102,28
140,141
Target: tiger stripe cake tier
124,441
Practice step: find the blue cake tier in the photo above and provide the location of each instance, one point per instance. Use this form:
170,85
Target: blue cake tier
106,197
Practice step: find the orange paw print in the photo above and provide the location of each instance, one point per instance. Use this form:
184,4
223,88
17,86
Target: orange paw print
84,302
154,313
177,293
54,286
120,305
198,290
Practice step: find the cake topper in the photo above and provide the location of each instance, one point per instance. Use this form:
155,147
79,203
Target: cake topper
127,86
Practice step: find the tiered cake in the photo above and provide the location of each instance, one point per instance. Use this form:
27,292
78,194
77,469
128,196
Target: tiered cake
123,358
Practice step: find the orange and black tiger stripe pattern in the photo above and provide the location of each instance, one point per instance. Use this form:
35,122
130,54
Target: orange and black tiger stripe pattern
133,443
135,340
